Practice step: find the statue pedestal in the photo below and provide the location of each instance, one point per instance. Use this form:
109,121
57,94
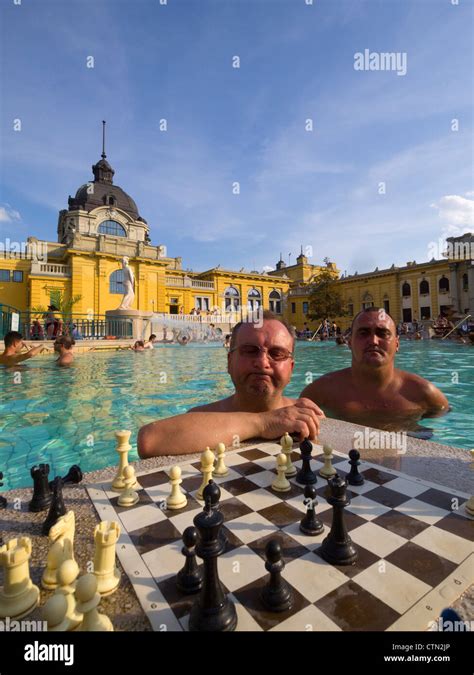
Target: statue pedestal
138,318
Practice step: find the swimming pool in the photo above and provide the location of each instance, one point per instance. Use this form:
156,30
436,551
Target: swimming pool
64,416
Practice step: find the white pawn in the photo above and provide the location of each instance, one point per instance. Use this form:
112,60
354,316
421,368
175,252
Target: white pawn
123,447
128,497
327,471
207,468
176,500
106,535
469,505
221,469
54,613
67,575
286,443
87,602
19,596
281,483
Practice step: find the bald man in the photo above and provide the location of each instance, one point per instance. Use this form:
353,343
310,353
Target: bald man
260,363
372,391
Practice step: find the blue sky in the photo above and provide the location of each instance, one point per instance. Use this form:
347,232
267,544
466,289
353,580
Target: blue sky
318,189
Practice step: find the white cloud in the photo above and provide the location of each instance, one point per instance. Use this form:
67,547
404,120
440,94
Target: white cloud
8,215
457,214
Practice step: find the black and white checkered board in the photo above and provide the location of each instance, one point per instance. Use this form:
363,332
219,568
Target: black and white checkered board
413,538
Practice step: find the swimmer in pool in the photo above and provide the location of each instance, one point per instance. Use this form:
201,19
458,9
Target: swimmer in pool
13,345
63,346
372,391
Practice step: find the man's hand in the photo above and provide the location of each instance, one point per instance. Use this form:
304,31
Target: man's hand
302,418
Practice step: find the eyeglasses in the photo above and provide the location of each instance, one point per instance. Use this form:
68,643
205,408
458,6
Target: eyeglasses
254,351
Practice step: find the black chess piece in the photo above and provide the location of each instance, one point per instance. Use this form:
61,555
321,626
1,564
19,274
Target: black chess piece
213,610
74,475
42,494
354,477
57,508
276,594
306,475
189,578
337,548
310,523
3,501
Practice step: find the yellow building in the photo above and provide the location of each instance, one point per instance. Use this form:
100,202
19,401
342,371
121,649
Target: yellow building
102,225
417,291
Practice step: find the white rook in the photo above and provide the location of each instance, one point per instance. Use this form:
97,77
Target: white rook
19,596
106,535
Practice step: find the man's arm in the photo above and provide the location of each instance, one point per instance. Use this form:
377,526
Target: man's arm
435,401
194,431
18,358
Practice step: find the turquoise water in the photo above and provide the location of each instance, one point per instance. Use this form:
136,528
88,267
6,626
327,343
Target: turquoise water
64,416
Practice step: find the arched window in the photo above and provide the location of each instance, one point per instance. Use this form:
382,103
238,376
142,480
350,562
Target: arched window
254,299
443,285
424,287
275,302
113,228
232,298
465,282
116,282
406,290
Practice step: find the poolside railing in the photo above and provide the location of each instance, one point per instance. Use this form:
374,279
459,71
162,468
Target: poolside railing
34,326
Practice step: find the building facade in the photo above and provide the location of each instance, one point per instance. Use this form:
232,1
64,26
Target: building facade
102,224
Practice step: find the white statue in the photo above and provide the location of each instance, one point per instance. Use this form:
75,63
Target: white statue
129,285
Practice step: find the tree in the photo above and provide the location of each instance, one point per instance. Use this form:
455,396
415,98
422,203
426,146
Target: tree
325,301
58,299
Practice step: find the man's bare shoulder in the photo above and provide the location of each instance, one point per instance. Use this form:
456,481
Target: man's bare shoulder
215,406
318,389
419,389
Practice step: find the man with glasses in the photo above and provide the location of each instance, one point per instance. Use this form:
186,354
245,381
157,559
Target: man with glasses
372,391
260,363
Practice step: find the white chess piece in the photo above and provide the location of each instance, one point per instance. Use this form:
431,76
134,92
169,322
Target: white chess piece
221,469
123,447
19,596
106,535
281,483
469,505
176,500
327,471
286,443
128,497
87,602
54,613
67,575
207,468
61,534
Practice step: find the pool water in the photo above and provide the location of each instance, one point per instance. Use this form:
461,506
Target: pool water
65,416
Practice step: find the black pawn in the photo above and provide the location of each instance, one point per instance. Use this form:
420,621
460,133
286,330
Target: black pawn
57,508
213,610
310,524
3,501
337,548
354,477
74,475
42,494
276,595
189,579
305,475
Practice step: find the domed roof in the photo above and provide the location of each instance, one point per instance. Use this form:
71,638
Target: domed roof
102,192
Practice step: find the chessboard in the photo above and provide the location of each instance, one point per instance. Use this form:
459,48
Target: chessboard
413,537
